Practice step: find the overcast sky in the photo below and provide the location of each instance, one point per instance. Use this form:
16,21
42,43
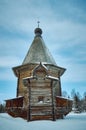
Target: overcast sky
64,31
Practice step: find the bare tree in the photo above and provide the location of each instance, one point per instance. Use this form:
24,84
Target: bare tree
64,94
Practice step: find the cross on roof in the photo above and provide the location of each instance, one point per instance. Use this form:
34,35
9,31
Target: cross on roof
38,23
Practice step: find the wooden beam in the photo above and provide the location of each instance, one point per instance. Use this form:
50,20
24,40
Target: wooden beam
53,107
29,96
17,93
60,92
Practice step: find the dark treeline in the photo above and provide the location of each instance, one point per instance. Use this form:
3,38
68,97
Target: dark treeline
2,108
79,102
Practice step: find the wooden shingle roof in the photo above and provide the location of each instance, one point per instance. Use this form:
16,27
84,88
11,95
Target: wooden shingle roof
38,51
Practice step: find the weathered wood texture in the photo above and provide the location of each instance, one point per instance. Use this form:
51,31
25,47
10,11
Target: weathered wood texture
39,96
16,102
22,90
40,112
38,84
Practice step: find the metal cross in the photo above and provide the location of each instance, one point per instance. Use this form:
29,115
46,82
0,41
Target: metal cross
38,23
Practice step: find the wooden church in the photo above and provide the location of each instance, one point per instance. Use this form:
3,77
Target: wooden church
39,95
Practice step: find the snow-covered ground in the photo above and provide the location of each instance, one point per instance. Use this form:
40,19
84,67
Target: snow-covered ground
70,122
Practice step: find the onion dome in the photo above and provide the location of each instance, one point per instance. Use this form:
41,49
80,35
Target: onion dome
38,31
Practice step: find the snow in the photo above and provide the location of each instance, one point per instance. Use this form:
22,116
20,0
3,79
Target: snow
65,98
72,121
51,77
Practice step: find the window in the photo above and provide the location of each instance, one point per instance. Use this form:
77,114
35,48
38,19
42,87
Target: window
40,99
48,100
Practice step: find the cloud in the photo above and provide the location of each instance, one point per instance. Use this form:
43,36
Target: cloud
72,10
23,14
75,72
6,74
8,61
64,32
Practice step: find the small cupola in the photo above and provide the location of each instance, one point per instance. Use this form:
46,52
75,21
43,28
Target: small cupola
38,31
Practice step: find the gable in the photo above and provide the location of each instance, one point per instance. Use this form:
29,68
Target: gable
40,71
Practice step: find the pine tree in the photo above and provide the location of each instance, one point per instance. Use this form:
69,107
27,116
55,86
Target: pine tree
2,108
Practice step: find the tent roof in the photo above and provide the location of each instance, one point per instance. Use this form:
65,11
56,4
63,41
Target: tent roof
38,52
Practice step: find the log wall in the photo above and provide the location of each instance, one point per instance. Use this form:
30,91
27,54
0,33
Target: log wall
27,72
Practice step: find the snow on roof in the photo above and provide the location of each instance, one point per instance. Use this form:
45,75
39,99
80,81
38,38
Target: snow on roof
51,77
31,77
64,98
15,98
